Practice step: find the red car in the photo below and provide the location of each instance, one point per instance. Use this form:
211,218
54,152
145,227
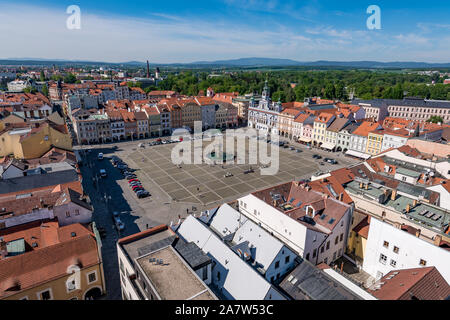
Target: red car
136,187
132,180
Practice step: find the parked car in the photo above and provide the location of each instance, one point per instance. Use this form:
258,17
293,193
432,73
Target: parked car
292,148
298,151
103,173
100,156
131,180
119,224
135,184
136,187
332,161
142,194
316,156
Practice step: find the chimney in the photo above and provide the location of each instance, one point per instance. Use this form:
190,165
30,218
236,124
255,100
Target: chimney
414,203
361,185
418,233
3,250
437,240
408,208
367,186
394,194
341,196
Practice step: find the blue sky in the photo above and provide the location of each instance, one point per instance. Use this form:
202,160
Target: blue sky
186,31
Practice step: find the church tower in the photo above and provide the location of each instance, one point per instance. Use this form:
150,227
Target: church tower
266,91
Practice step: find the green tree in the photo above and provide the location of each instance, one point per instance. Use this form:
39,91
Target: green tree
29,90
42,76
436,119
45,90
70,78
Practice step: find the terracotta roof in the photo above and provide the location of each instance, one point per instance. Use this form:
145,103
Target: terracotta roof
295,196
291,112
140,116
56,251
365,128
412,284
363,227
324,117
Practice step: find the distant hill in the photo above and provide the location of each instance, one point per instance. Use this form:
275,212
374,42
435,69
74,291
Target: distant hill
243,62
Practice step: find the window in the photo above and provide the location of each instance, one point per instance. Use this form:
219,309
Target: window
77,212
70,285
336,240
92,277
328,245
314,253
341,237
45,295
277,264
393,263
307,256
287,259
67,214
396,249
121,265
423,262
322,249
218,276
386,244
383,258
205,273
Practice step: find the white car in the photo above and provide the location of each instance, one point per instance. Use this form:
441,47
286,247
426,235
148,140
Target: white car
103,173
100,156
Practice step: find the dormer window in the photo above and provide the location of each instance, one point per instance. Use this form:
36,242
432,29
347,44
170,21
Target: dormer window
310,212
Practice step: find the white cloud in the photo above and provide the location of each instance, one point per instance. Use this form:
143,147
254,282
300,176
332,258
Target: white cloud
27,31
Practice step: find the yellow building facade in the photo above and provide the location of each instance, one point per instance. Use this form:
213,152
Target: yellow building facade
91,282
374,143
27,143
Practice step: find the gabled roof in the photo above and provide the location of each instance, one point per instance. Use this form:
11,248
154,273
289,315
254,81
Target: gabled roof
57,250
412,284
238,271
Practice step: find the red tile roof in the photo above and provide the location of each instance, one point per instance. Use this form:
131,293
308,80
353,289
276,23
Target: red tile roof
56,251
411,284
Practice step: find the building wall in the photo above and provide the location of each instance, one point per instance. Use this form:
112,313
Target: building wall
126,269
37,144
72,213
275,222
391,141
444,199
59,289
273,273
9,144
411,251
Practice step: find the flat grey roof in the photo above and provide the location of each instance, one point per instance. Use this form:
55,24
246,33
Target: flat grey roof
173,279
37,181
307,282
